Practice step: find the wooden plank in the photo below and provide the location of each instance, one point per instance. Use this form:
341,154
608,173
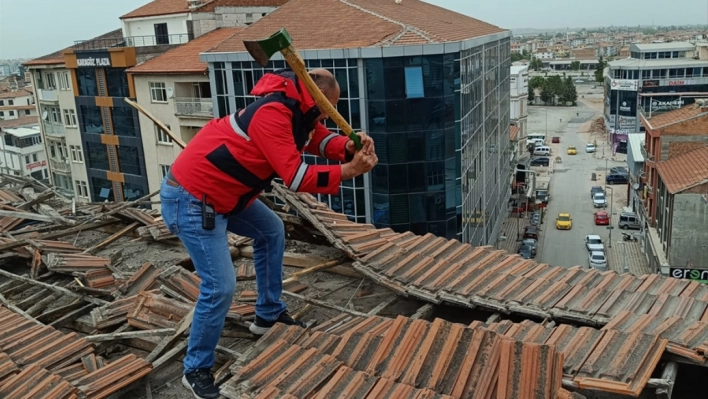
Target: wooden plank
168,341
156,121
26,215
293,259
130,334
324,304
110,240
54,288
17,310
22,241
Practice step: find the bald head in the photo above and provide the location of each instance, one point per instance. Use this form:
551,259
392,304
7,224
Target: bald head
327,83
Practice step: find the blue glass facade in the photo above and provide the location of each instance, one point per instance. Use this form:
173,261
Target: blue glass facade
412,118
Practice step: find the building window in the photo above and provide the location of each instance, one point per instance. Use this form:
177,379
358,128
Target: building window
97,156
91,120
129,160
162,137
64,81
102,189
117,82
82,189
12,113
123,121
76,154
158,92
2,113
51,83
161,34
27,161
69,117
165,169
87,82
34,157
27,112
2,103
414,82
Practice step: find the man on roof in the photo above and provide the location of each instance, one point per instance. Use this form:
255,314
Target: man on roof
213,186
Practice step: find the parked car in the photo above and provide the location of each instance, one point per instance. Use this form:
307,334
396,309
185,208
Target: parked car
542,161
531,232
597,260
629,220
619,170
594,243
599,200
572,150
542,150
555,139
589,148
616,179
602,218
564,221
525,251
594,190
533,244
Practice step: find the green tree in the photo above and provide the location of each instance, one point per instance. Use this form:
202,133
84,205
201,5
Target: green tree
536,64
601,64
575,65
516,57
569,94
532,94
546,93
555,87
536,82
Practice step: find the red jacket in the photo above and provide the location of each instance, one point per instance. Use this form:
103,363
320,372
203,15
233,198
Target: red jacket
232,166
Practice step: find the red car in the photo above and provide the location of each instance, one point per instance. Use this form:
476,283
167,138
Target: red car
556,140
602,218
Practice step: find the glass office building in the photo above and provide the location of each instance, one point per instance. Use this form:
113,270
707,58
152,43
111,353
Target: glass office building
439,114
110,131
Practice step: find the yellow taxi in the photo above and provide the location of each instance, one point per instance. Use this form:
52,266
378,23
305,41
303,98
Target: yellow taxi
572,150
564,221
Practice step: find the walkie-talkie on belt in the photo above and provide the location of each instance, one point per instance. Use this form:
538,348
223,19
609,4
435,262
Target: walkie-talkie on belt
208,214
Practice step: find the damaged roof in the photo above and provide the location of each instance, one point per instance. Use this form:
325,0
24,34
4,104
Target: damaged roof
684,171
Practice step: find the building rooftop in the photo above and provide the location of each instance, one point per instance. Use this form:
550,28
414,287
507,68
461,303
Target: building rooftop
57,57
185,58
636,142
23,92
517,69
23,131
168,7
670,62
678,46
684,171
362,23
676,116
21,121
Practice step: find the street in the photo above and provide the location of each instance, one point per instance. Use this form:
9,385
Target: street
571,181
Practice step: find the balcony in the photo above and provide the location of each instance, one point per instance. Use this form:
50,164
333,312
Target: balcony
194,107
131,41
52,129
59,166
47,95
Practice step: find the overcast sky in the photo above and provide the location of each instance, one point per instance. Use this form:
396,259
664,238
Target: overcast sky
32,28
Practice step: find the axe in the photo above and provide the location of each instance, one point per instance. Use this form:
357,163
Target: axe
262,50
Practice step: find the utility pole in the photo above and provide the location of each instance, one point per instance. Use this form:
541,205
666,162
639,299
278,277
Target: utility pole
610,227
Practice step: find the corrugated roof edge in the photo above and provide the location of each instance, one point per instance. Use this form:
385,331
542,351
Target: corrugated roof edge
57,57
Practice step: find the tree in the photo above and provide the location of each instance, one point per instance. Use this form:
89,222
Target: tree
536,64
601,64
532,94
536,82
546,93
516,57
568,93
575,65
555,87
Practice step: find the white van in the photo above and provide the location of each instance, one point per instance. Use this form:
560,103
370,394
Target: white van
534,136
542,150
535,142
629,220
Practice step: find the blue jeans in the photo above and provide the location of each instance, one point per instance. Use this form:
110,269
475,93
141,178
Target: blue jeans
209,250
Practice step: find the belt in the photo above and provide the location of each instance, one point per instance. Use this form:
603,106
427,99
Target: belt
171,181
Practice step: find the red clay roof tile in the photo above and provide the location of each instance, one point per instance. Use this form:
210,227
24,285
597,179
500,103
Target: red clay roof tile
675,116
184,59
361,23
684,171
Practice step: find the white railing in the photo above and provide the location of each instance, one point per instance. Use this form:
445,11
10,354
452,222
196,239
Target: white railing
61,166
47,95
53,129
194,106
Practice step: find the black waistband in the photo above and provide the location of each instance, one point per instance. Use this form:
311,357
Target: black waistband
172,177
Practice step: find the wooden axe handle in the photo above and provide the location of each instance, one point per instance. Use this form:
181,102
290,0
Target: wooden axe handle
298,66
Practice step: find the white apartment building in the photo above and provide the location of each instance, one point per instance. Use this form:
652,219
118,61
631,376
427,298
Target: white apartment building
519,111
162,22
59,124
16,104
22,152
175,88
544,54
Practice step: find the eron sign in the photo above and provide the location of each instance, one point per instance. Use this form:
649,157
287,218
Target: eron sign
697,275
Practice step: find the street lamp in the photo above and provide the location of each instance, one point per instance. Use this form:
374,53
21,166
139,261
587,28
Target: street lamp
610,227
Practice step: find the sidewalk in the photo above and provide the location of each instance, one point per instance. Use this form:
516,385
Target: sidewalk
625,253
509,229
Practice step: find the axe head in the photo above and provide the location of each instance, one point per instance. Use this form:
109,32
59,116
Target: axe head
262,50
